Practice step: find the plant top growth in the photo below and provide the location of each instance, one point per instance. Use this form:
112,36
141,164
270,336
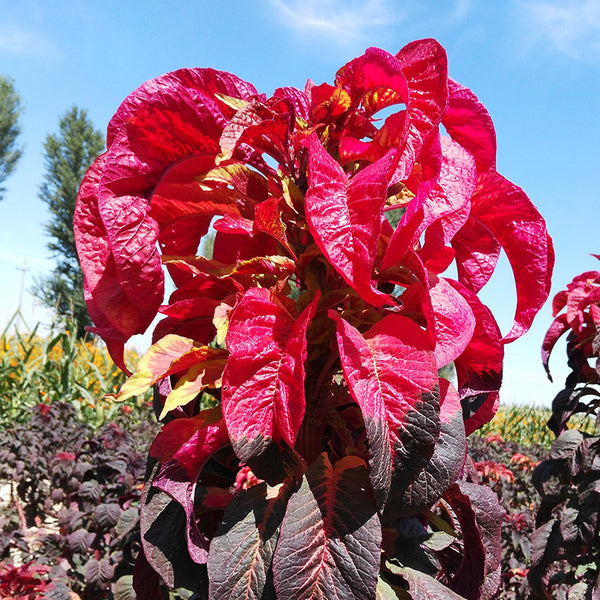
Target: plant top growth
310,449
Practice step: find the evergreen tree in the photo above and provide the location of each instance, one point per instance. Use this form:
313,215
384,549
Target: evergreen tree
10,112
68,155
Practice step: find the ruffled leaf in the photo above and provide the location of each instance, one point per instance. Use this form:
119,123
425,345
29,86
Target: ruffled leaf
479,367
454,322
208,82
425,66
468,122
375,79
447,203
115,314
517,225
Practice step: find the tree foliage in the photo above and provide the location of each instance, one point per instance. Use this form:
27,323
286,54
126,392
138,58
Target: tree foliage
68,155
10,129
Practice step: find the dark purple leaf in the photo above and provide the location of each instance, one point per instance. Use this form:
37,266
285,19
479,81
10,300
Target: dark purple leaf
242,549
447,460
424,587
107,515
330,540
164,526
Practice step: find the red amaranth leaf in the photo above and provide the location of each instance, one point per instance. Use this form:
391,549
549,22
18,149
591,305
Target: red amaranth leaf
391,373
116,318
558,328
329,545
425,66
423,587
263,382
447,460
468,122
477,252
195,186
208,82
178,437
345,217
164,528
199,438
264,126
267,218
480,516
479,367
454,321
444,200
170,355
373,79
241,552
517,225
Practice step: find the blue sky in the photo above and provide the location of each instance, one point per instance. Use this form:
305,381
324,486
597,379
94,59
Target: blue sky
534,63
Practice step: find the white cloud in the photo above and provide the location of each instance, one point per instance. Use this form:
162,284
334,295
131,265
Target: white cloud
342,21
18,41
570,26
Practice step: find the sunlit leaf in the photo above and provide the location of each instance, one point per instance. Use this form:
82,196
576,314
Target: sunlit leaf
263,383
391,374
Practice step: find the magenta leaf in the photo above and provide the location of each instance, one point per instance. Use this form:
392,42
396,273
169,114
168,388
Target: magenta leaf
115,316
207,82
454,322
477,252
375,79
479,367
242,550
391,374
265,127
263,382
558,328
330,540
345,217
509,214
183,447
444,201
469,123
425,66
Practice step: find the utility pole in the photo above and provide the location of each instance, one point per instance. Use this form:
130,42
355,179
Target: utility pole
23,270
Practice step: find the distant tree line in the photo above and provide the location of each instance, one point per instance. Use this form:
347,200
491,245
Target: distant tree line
68,154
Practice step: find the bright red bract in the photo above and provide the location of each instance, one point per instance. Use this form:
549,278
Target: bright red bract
328,296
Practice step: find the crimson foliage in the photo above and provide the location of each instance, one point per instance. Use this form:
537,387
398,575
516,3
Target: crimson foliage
330,464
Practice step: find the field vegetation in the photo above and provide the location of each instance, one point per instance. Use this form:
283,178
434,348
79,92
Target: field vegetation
72,468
